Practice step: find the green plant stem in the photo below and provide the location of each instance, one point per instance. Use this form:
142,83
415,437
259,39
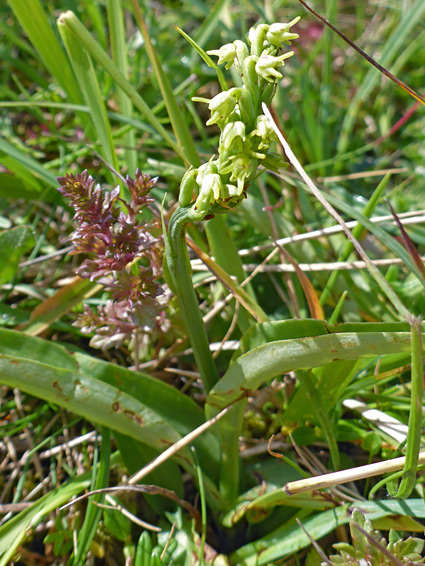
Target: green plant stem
180,271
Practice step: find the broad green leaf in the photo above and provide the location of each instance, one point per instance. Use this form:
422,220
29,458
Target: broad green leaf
13,244
94,400
184,416
106,394
255,367
280,330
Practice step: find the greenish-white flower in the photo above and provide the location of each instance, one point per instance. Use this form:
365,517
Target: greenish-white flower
222,106
231,131
266,66
279,33
240,167
264,131
212,183
226,54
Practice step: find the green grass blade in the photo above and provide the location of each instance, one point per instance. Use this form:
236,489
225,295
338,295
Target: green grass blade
358,231
206,58
93,512
29,163
33,19
98,54
413,443
15,530
119,56
393,46
178,120
87,81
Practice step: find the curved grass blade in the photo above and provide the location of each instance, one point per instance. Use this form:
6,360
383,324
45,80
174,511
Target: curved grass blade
97,53
206,58
89,86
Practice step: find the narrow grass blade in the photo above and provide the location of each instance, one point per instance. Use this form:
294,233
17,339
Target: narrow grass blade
33,19
178,120
358,231
373,270
15,530
87,81
410,247
119,56
98,54
29,163
392,47
206,58
413,443
93,512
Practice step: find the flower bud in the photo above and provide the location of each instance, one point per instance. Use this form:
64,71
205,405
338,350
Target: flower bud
256,37
187,186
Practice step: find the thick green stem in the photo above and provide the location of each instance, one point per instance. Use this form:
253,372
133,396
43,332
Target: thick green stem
180,272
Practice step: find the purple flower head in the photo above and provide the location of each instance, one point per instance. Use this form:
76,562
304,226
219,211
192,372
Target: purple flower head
114,238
